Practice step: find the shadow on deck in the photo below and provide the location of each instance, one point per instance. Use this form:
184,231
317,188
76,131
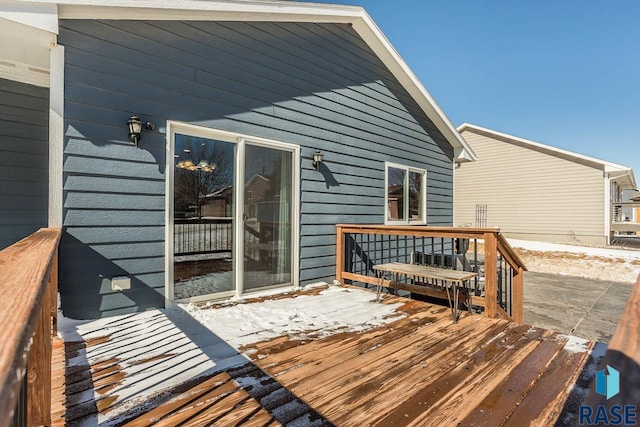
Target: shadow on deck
419,370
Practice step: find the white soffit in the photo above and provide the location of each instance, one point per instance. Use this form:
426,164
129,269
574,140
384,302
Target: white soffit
625,179
276,11
24,53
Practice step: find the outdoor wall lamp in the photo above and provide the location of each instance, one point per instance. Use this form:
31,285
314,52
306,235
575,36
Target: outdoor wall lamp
135,129
317,159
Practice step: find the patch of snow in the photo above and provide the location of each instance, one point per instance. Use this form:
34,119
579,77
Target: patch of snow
276,291
606,264
333,310
587,250
68,328
575,344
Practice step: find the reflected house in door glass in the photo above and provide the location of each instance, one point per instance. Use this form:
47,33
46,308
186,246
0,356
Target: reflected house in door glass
395,201
218,204
260,223
255,192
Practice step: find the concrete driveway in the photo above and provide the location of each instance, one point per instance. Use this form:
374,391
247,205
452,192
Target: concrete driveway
585,308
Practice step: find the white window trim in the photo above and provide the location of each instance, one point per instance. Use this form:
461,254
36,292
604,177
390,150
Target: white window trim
408,169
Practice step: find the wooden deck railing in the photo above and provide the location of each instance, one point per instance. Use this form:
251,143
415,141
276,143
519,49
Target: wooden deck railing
28,308
623,354
498,290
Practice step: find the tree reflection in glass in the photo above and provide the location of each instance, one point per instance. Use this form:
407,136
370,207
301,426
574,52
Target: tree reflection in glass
203,210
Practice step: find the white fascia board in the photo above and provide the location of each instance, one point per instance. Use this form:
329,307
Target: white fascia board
463,156
377,41
602,164
36,15
206,10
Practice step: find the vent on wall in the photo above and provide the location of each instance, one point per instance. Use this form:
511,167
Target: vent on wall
120,283
481,216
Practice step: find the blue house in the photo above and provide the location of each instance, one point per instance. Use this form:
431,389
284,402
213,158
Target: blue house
198,150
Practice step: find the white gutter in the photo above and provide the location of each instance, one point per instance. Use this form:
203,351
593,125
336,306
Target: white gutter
619,176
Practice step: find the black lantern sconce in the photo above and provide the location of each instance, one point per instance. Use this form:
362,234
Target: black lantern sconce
135,129
317,159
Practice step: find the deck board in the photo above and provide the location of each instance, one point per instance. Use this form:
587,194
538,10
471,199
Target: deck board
226,401
421,369
504,397
543,404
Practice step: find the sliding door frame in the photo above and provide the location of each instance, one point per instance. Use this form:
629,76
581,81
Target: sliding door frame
240,141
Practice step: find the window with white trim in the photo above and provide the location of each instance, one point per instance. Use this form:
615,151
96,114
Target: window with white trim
405,195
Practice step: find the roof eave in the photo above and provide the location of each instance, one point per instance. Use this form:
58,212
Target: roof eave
43,16
377,41
604,165
625,179
256,10
197,10
463,156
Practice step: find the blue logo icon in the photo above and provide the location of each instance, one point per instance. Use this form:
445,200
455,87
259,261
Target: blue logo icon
608,382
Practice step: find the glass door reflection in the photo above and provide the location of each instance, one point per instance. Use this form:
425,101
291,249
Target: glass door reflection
202,217
268,202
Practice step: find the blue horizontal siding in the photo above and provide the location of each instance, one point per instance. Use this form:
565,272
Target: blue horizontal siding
24,160
315,85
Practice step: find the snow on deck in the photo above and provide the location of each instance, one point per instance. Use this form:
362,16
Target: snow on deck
159,349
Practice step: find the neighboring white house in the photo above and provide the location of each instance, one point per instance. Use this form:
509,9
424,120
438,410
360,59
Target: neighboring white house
533,191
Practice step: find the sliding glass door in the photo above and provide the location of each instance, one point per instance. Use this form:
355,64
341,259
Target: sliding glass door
268,203
203,207
233,212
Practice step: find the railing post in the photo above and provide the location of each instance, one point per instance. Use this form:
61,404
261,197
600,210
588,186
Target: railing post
518,295
27,272
339,253
490,274
39,370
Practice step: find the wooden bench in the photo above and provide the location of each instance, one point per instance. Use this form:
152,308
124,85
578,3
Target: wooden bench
452,280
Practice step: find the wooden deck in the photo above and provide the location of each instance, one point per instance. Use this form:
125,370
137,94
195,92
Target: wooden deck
419,370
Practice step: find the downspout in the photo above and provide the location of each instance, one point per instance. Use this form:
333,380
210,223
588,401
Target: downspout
56,135
453,193
607,208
